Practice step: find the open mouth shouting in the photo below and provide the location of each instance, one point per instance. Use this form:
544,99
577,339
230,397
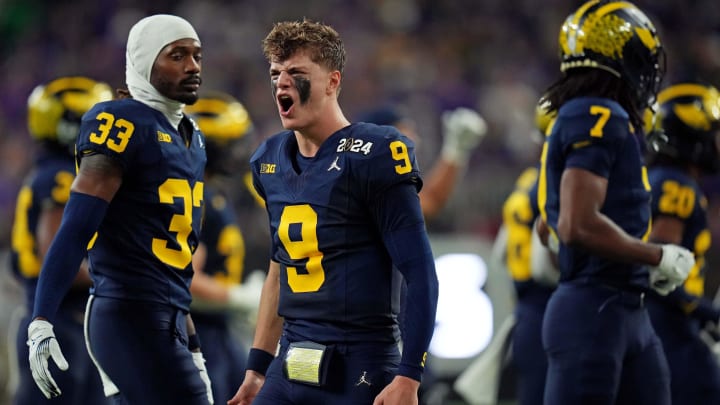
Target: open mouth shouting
285,104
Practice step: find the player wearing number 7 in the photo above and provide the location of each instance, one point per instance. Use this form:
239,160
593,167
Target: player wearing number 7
343,208
594,195
139,190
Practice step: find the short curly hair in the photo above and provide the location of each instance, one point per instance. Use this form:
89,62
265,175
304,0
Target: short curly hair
321,41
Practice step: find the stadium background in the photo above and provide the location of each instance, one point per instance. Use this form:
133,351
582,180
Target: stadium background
496,56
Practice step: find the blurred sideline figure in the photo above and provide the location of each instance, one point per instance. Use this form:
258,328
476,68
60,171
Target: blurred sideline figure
594,200
463,129
219,259
683,147
54,112
534,274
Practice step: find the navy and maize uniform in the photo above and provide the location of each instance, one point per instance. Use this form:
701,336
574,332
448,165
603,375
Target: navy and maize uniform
140,258
224,352
679,317
601,346
528,357
48,185
335,221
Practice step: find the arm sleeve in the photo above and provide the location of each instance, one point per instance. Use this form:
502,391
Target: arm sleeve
81,218
405,237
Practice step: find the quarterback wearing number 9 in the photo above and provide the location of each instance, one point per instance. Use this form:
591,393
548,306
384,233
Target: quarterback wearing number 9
136,204
343,208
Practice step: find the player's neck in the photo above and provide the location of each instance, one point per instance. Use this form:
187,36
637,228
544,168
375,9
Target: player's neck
310,138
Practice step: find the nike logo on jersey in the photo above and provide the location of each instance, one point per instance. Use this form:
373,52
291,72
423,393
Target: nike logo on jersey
334,165
200,142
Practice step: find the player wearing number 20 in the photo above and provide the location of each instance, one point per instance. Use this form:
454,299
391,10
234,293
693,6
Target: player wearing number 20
137,204
683,149
595,197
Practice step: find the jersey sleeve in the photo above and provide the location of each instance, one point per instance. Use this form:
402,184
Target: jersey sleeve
115,129
391,161
52,187
593,135
674,196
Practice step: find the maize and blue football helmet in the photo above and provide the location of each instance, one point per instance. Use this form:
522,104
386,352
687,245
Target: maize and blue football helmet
686,128
619,38
225,123
56,108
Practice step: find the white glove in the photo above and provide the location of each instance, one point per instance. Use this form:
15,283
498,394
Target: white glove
463,129
42,344
673,269
199,361
246,296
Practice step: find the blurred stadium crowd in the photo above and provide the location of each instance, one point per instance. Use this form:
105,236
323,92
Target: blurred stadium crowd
496,56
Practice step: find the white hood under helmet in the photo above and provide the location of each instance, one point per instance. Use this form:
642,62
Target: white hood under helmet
145,41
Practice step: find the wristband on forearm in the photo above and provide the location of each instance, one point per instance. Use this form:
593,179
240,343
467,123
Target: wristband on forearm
259,360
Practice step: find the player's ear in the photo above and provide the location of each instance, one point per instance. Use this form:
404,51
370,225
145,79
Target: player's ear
333,86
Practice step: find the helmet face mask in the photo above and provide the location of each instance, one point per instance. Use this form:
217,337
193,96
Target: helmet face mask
616,37
55,109
687,127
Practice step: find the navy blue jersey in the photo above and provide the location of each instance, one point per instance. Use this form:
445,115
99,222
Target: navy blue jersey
48,185
595,134
337,282
223,238
519,212
225,248
143,247
677,195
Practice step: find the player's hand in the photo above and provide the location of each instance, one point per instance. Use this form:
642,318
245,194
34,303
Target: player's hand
42,344
249,389
463,129
245,297
199,361
401,390
673,269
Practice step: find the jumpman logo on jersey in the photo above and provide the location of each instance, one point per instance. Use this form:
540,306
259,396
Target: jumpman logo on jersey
363,380
334,165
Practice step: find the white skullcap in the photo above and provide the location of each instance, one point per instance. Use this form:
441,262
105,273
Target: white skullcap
145,41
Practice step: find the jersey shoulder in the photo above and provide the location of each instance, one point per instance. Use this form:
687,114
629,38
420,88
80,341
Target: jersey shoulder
379,153
121,129
52,180
661,174
593,118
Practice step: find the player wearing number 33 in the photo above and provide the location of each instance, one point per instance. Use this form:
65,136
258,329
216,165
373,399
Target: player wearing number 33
594,195
136,205
343,208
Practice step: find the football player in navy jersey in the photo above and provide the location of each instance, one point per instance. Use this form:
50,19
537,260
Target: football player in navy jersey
343,209
683,148
219,260
54,112
534,274
135,208
594,198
